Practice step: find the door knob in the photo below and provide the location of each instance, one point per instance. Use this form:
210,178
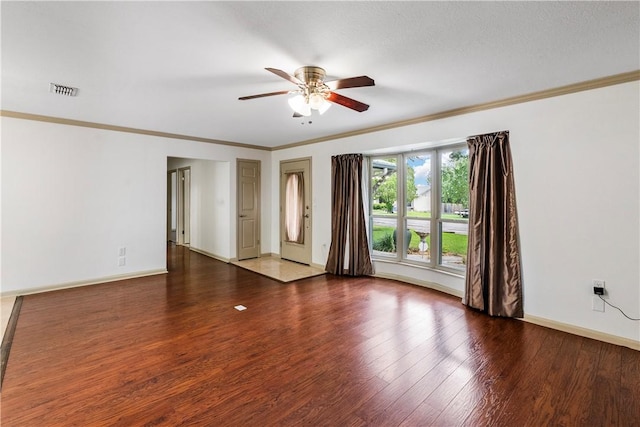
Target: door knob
306,216
242,216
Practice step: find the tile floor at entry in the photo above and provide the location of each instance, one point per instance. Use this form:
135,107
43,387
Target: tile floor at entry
279,269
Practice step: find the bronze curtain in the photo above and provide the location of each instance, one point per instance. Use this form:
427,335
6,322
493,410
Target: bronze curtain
347,218
494,279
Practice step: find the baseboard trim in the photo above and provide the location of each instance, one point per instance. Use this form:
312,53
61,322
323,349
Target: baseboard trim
540,321
423,283
210,255
80,283
583,332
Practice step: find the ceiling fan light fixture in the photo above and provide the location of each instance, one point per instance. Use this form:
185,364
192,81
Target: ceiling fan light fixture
316,100
299,104
324,107
314,94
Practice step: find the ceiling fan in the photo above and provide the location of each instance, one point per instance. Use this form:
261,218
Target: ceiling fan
314,93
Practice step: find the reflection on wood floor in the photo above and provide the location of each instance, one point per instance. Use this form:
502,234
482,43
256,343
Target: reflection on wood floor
279,269
171,350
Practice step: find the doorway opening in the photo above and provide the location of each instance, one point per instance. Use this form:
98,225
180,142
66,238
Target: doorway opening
179,206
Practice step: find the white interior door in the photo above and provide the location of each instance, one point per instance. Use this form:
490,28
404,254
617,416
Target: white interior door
248,179
295,210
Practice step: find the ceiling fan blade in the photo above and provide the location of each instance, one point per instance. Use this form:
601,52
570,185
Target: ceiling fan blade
347,102
359,81
282,92
285,76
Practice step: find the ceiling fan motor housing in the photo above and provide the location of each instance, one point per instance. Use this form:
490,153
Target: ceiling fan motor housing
312,76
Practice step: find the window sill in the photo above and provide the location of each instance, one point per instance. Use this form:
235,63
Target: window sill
443,270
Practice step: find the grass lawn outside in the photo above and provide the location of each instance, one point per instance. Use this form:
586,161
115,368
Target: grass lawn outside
452,244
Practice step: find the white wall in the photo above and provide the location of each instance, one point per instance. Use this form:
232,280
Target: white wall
210,206
72,196
576,160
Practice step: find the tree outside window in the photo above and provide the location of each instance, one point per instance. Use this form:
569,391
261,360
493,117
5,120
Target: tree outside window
417,181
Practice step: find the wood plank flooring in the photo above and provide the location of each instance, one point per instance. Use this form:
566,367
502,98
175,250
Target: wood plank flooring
172,350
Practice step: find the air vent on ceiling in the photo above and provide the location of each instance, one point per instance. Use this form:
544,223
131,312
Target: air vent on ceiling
63,90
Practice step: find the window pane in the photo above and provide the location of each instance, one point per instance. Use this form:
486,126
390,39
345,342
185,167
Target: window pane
384,183
418,186
454,238
294,208
419,247
384,238
454,181
384,191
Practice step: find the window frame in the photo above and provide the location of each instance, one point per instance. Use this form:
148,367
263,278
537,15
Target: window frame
436,220
392,256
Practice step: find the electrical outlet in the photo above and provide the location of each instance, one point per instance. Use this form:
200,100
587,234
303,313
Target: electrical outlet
122,261
598,287
122,251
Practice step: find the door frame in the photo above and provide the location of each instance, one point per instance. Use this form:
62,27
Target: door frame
171,237
183,206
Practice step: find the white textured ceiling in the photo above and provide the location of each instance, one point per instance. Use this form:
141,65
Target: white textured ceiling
179,67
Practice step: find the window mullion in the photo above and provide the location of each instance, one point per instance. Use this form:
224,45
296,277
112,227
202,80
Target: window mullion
400,211
436,192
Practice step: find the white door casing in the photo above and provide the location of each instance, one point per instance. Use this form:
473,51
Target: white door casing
172,205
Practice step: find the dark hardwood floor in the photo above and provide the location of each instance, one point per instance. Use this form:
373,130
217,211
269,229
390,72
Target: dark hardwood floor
326,351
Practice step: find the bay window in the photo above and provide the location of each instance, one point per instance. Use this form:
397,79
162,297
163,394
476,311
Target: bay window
419,207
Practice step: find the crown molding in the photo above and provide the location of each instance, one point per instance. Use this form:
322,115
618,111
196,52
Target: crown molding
70,122
534,96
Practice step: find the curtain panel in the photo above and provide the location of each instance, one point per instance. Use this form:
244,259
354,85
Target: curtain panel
348,228
294,207
494,279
